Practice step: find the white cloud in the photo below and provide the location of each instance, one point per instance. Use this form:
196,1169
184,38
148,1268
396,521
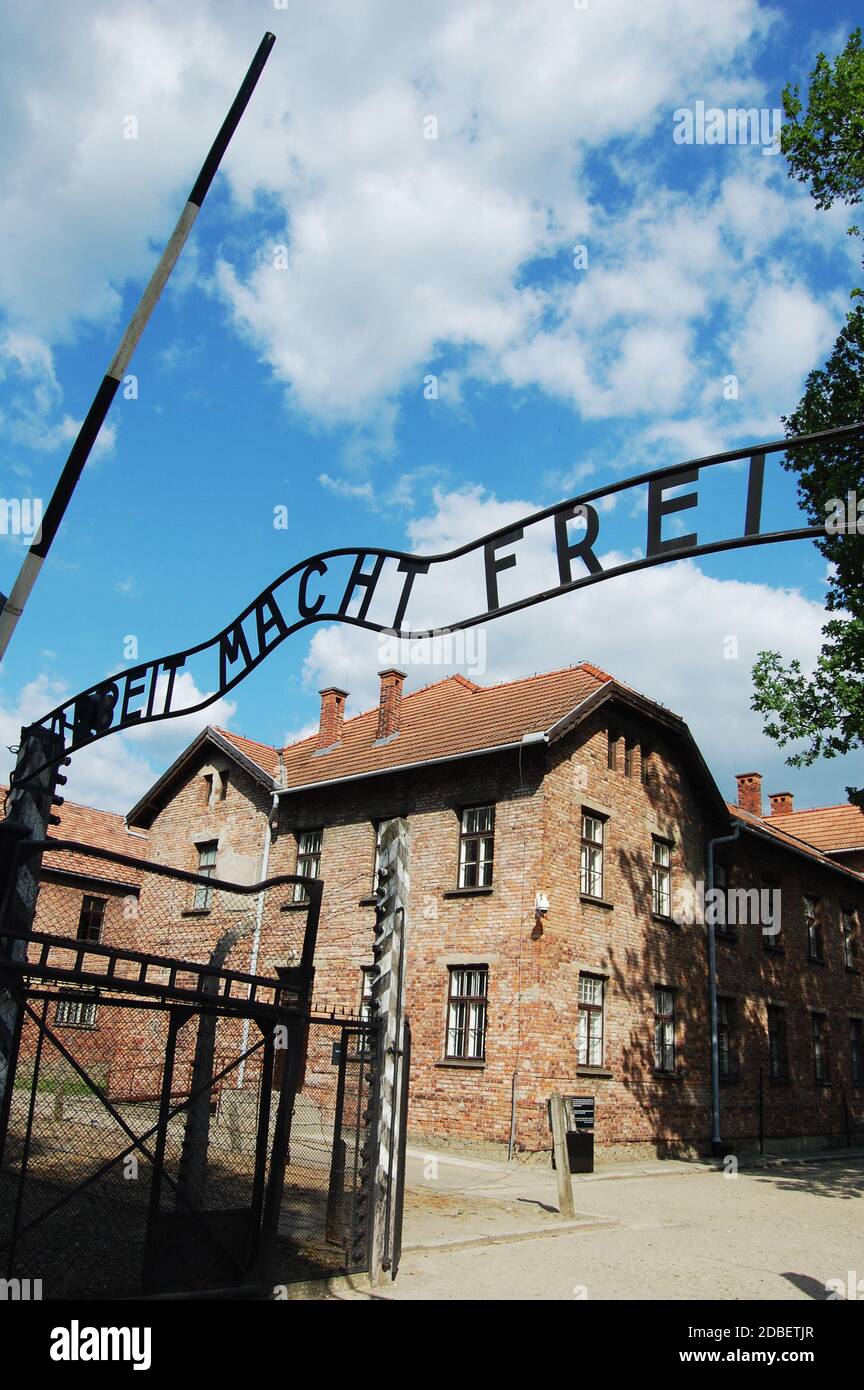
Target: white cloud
398,246
785,332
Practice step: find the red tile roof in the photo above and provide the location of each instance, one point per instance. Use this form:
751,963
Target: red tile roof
445,720
264,754
104,829
777,827
826,827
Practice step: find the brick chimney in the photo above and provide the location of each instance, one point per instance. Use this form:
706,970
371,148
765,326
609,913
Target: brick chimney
750,792
332,714
390,702
781,803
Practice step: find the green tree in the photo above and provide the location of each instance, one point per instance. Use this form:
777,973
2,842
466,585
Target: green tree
824,710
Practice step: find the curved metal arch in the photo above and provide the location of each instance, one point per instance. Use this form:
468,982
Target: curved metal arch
90,715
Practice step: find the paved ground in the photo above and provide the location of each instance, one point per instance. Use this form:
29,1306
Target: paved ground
659,1230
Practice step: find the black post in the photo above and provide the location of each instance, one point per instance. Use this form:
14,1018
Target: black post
403,1145
335,1229
296,1027
149,1272
12,607
28,810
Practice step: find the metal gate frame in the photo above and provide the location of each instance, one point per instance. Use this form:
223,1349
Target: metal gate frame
252,1272
40,967
183,990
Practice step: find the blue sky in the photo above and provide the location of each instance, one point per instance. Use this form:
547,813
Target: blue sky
341,259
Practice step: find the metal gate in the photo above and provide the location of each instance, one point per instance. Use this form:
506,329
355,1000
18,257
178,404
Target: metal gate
172,1125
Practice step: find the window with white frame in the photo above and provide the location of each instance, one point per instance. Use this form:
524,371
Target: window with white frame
308,860
589,1046
207,868
664,1029
591,860
661,878
476,847
466,1012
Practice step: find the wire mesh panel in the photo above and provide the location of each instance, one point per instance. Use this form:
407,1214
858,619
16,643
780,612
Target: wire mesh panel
167,1070
162,1024
105,1196
323,1226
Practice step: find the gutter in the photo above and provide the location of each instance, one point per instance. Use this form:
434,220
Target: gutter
539,737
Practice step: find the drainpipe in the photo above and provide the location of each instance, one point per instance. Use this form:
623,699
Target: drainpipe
716,1141
256,938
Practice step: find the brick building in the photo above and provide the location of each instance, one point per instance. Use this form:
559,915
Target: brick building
561,831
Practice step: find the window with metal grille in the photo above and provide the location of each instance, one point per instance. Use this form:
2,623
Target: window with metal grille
664,1029
466,1012
856,1050
207,867
589,1044
476,847
813,920
591,861
849,930
821,1058
661,878
778,1056
75,1013
92,918
308,860
726,1049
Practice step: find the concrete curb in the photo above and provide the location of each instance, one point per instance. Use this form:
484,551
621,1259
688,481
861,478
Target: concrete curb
563,1228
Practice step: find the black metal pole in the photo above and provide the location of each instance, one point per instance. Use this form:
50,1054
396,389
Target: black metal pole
95,418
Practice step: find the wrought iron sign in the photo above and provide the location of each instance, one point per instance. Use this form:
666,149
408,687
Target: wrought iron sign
551,552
